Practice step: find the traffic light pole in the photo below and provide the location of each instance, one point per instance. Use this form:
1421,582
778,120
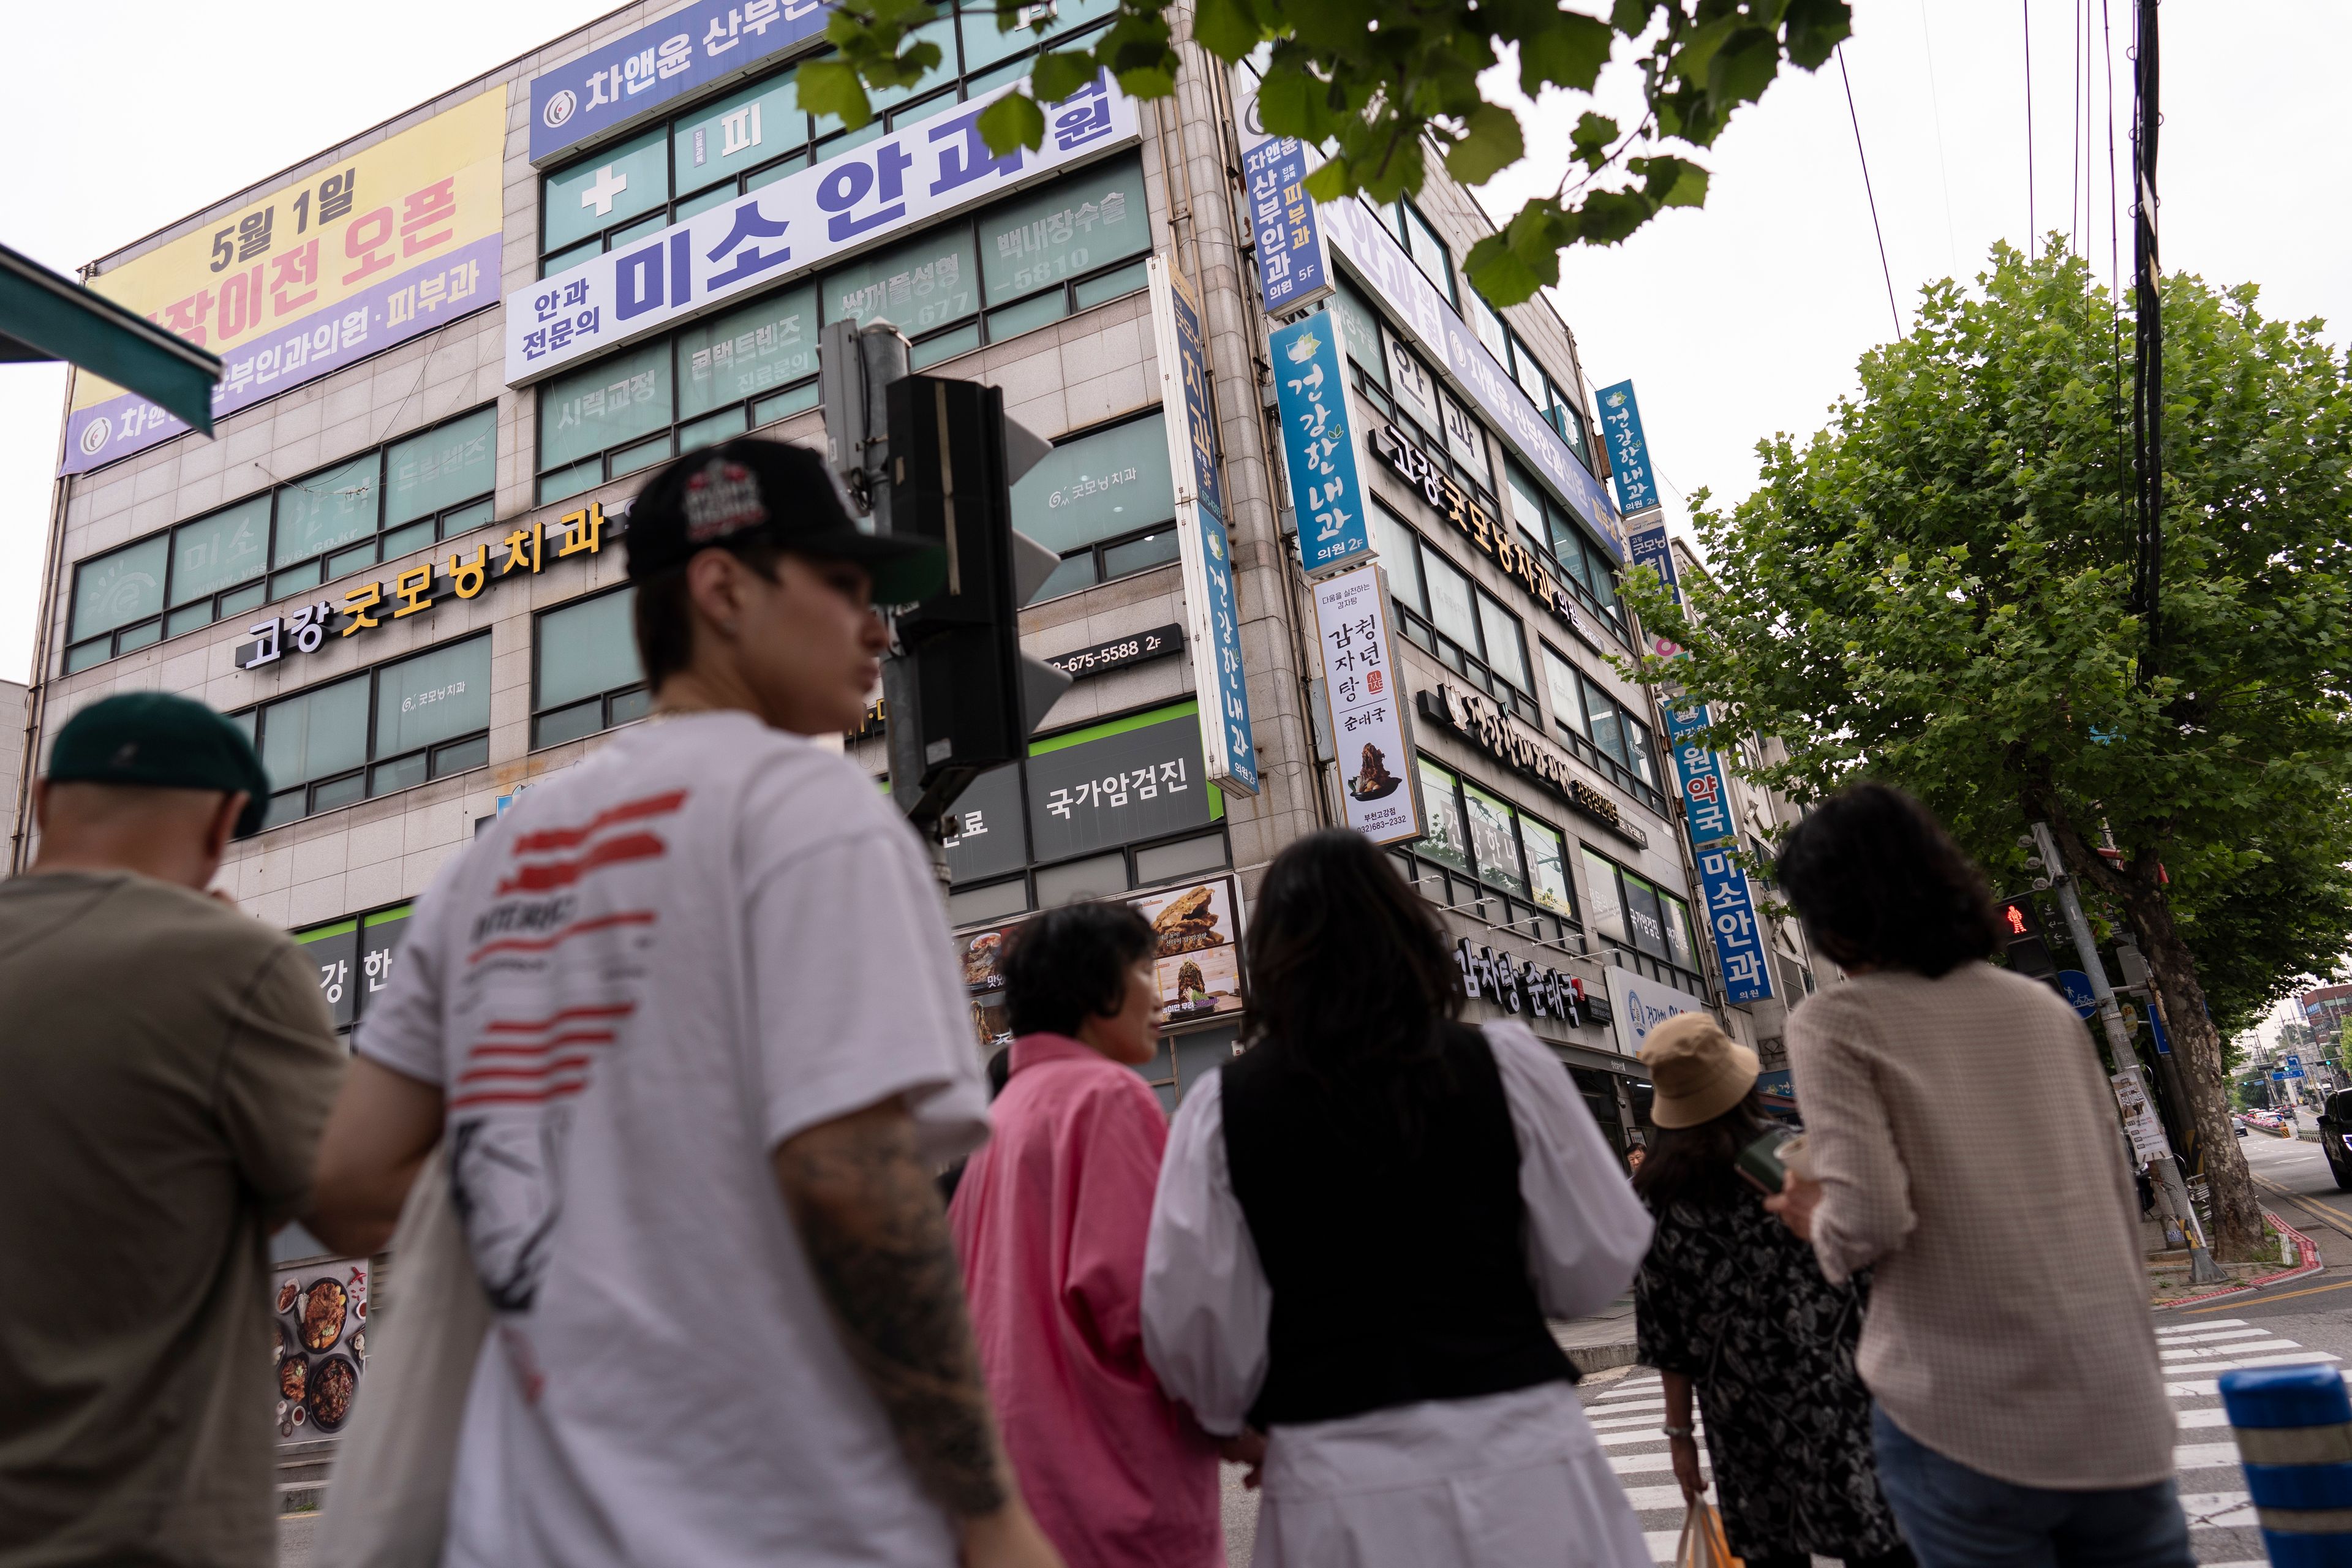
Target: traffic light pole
2202,1269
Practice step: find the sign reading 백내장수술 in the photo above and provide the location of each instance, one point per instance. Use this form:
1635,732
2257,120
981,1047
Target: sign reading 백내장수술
927,171
1366,706
1212,616
1319,446
618,80
397,240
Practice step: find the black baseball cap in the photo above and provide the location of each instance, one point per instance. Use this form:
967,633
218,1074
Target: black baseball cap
749,489
162,741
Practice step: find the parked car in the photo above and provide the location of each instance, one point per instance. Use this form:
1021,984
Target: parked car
2336,1136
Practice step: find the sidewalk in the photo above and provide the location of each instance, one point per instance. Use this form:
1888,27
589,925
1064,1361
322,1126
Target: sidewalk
1600,1341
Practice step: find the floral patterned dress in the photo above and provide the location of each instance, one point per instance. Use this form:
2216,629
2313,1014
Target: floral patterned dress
1730,1299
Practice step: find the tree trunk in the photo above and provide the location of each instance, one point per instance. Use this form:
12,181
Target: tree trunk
2196,1043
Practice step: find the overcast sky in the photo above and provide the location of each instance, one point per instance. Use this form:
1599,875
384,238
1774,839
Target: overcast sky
1733,322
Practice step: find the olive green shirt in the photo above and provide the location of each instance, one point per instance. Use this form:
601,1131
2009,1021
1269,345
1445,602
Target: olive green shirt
166,1065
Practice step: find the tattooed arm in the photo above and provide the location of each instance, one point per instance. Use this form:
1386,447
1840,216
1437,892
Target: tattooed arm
870,1220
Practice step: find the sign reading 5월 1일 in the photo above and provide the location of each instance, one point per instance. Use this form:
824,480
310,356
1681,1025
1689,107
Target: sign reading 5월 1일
397,240
930,169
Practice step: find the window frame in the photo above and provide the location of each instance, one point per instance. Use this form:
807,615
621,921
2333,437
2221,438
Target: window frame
272,582
605,700
1404,217
1419,623
1519,913
371,764
770,405
1580,739
1561,523
1100,549
359,924
1659,967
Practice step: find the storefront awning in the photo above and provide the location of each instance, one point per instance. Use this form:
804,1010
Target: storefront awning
45,316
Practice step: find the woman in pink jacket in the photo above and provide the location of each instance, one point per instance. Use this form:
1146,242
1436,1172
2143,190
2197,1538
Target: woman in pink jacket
1051,1219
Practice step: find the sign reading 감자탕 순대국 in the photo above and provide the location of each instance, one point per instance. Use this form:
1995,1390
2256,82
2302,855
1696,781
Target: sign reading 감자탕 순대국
397,240
524,551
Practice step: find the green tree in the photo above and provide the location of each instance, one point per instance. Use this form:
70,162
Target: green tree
1376,82
1935,590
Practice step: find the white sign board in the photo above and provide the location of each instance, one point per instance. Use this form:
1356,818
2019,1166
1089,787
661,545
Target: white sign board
1639,1005
1367,707
2140,1120
933,168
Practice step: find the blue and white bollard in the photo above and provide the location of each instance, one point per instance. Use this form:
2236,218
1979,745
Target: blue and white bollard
2294,1427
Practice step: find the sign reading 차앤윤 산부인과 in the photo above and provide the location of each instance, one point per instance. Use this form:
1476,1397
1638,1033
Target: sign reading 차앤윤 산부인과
394,240
924,171
617,81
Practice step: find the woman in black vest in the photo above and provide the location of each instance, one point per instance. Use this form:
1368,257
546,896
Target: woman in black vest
1361,1225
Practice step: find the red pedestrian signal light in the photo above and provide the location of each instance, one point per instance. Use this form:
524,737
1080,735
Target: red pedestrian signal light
2020,931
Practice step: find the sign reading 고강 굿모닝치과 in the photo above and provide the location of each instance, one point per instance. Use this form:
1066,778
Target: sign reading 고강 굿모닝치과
397,240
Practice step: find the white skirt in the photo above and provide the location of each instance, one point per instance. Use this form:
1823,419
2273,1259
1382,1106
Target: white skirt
1511,1480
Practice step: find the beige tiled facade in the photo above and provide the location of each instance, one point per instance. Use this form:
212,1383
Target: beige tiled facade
1068,376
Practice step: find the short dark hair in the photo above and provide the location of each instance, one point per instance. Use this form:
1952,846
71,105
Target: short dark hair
1877,880
1070,965
663,616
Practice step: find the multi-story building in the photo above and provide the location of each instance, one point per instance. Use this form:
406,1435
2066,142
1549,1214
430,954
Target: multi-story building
2324,1008
12,745
456,344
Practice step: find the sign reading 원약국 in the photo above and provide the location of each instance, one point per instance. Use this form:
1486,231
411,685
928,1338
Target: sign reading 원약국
618,80
1292,268
1319,446
928,170
1629,451
1367,709
400,238
1212,616
1723,887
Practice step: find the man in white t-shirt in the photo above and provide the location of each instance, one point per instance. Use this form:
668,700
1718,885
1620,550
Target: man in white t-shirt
687,1018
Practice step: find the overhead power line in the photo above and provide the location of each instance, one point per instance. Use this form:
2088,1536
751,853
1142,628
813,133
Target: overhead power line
2025,7
1885,271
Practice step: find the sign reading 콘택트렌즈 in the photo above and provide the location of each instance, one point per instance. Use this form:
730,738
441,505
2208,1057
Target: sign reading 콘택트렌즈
1367,709
1212,616
1319,446
618,80
397,240
928,170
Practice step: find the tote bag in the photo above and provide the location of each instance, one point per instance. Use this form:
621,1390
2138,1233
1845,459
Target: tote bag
388,1501
1703,1544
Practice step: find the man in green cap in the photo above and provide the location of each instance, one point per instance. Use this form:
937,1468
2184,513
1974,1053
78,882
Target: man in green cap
168,1064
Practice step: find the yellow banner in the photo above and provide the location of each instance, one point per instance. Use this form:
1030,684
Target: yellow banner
303,250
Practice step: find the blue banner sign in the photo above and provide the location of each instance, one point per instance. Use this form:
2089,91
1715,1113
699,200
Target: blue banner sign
617,81
1318,448
927,171
1724,894
1292,268
1628,450
1647,547
1212,616
2079,994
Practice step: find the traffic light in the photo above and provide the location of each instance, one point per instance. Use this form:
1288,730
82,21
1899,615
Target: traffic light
969,698
2021,933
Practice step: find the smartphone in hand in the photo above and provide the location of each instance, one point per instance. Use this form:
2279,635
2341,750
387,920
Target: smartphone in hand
1760,1162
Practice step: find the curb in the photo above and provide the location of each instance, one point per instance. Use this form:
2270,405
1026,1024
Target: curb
2306,1249
1590,1359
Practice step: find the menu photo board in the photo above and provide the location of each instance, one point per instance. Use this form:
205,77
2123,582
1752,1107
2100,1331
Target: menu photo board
319,1312
1197,962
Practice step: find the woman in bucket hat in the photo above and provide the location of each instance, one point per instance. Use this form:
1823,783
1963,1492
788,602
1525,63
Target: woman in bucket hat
1726,1304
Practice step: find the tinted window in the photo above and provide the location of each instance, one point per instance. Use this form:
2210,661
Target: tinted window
605,404
327,510
456,462
220,551
1097,486
586,648
771,342
1069,228
115,590
430,698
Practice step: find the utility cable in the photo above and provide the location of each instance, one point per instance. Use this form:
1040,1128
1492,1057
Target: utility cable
1885,270
1943,169
2032,229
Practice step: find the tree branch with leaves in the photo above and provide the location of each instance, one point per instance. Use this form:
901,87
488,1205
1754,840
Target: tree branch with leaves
1379,84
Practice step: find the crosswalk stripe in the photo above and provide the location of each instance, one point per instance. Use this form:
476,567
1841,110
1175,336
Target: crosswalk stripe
2296,1358
2204,1352
1634,1464
1640,1434
1652,1419
2217,1511
2200,1328
2204,1336
2216,1416
2204,1456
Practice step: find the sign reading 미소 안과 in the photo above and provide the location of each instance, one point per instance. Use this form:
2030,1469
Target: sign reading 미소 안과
1366,707
897,182
1724,894
397,240
1628,450
617,81
1212,616
1292,268
1319,446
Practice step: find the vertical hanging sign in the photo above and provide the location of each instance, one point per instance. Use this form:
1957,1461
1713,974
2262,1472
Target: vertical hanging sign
1723,887
1629,451
1319,446
1212,617
1369,722
1292,270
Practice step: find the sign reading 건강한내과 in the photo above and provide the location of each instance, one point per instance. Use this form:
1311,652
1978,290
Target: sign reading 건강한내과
1628,449
1318,445
396,240
1366,707
926,171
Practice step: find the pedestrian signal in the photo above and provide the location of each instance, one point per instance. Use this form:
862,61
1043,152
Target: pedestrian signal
2021,935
